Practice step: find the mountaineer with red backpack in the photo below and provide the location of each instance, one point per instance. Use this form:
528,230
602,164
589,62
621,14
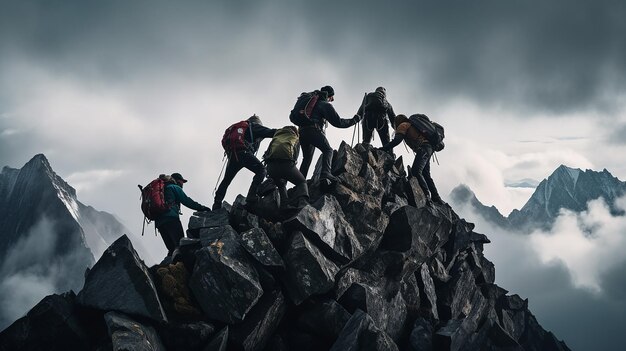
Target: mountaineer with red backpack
377,114
424,137
241,142
310,113
160,202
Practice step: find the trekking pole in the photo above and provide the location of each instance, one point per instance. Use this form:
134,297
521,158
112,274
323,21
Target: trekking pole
436,159
221,172
353,131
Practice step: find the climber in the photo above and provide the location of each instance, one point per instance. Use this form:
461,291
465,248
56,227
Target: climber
377,113
418,141
312,131
241,142
280,158
168,224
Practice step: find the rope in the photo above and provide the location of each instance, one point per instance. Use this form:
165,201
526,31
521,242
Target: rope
221,173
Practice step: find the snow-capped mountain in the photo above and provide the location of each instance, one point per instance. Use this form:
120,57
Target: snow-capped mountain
567,188
47,236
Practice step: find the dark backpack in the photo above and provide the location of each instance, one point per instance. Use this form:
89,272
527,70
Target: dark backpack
375,102
301,113
234,139
153,202
434,132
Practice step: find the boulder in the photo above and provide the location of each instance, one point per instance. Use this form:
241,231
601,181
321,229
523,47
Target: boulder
224,280
260,247
451,337
324,318
120,281
260,324
415,194
308,271
127,334
324,224
241,218
421,338
208,219
219,342
361,334
53,324
172,282
347,160
186,336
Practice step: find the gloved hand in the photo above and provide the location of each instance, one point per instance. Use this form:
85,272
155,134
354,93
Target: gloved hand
357,119
205,209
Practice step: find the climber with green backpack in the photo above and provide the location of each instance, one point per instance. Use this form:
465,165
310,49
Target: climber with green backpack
280,158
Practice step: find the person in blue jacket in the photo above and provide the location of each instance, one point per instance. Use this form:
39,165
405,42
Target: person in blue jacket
168,224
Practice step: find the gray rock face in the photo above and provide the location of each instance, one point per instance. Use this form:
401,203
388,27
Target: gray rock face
208,219
224,280
127,334
120,281
261,323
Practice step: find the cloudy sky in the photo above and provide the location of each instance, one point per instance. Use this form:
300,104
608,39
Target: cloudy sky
116,92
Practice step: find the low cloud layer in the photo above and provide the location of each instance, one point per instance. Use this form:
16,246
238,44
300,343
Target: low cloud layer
33,269
572,275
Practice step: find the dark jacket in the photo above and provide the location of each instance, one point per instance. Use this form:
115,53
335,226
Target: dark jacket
324,111
257,132
376,113
175,195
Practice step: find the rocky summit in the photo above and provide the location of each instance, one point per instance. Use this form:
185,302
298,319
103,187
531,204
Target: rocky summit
369,264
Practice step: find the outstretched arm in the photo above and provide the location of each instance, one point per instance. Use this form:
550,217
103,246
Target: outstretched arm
186,200
393,143
333,118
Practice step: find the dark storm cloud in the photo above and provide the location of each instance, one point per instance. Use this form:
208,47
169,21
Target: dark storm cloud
614,283
618,136
555,56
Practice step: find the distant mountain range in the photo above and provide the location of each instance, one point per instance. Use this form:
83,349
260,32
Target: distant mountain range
45,230
566,188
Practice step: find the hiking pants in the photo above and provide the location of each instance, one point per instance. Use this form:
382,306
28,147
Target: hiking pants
171,232
371,123
235,164
283,171
421,171
311,138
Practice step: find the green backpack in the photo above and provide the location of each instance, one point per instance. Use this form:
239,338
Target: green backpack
285,145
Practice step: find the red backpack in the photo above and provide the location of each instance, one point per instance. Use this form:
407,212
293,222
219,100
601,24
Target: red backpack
153,202
234,139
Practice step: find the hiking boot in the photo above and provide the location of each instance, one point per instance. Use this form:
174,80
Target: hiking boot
216,206
329,177
176,256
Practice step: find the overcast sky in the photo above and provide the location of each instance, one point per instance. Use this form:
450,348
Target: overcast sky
116,92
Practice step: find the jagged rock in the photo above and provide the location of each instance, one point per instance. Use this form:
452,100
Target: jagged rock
324,224
360,333
438,271
260,247
120,281
537,339
186,336
224,280
451,337
219,341
255,331
241,218
309,272
392,206
172,283
374,186
187,250
421,338
208,219
347,160
416,230
387,309
415,194
269,206
324,318
409,288
127,334
428,293
53,324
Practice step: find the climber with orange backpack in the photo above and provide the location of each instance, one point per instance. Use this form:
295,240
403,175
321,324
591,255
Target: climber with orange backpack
424,137
160,202
241,141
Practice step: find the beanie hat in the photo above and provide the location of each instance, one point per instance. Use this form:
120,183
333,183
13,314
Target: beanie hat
329,90
382,90
255,119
